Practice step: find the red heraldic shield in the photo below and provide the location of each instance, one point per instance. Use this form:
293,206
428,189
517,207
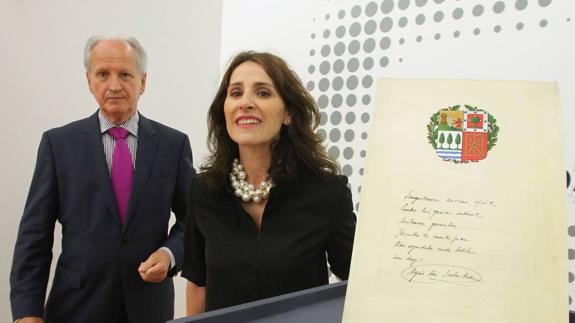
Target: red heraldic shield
474,146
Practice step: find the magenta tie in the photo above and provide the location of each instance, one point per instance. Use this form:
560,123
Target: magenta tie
122,170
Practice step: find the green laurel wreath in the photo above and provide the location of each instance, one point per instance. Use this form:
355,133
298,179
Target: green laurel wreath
492,129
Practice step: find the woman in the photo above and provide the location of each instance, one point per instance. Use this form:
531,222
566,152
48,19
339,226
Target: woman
269,204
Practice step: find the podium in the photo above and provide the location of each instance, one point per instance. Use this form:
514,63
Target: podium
315,305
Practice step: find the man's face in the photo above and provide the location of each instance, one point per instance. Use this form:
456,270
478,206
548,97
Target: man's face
115,80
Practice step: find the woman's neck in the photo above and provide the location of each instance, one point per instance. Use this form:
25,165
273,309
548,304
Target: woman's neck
256,162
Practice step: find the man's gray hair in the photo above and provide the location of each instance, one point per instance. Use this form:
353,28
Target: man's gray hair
141,56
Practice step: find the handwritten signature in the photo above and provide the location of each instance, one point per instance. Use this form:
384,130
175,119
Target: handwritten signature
451,274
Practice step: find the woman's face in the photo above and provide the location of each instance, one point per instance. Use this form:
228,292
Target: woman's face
253,108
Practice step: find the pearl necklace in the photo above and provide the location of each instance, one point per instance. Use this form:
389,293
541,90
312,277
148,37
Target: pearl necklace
246,191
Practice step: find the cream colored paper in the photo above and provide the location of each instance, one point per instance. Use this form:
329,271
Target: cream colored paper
482,242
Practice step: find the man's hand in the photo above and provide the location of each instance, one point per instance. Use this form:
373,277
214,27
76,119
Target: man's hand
155,268
30,319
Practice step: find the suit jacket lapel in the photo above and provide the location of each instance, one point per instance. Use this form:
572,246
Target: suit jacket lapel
147,147
96,160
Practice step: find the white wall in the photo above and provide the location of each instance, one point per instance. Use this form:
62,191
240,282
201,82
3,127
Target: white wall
43,83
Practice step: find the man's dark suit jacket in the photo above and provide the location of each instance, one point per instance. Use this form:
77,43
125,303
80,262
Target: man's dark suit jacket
97,270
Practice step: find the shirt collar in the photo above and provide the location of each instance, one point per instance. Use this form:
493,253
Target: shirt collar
131,124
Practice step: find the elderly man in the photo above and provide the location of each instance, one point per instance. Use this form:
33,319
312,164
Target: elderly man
111,180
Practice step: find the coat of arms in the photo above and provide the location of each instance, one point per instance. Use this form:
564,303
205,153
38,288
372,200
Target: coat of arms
462,135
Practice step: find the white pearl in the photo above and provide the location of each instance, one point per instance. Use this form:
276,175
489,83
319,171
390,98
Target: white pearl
251,187
238,192
257,199
242,174
246,197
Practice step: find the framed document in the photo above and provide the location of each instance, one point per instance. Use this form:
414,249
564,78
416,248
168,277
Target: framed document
463,211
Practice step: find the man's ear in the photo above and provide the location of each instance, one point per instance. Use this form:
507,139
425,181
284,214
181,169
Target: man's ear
143,85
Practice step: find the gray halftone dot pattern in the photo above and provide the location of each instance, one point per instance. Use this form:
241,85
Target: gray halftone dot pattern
571,231
351,100
310,85
384,43
325,50
457,13
337,83
323,84
340,31
403,4
519,26
544,3
499,7
363,153
571,277
365,117
456,34
402,22
311,69
361,171
347,170
312,52
400,60
367,81
386,24
570,300
326,33
338,66
339,49
356,11
349,134
322,135
437,36
350,118
322,118
322,101
335,135
438,1
571,254
543,23
420,3
497,29
324,67
419,39
477,10
352,82
327,17
335,118
438,16
366,99
367,63
312,36
401,41
364,135
336,100
370,27
333,152
353,47
384,61
355,29
353,65
420,19
476,31
348,153
369,45
341,14
371,9
387,6
520,4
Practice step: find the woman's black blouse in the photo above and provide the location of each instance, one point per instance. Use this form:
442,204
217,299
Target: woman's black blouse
304,222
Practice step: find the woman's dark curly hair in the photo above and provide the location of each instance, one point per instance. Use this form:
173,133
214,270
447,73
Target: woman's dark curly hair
298,149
